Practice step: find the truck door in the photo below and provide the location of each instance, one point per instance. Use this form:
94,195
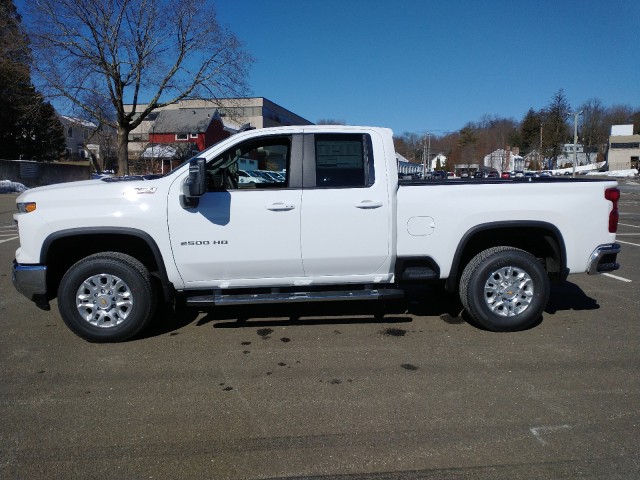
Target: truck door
346,207
239,230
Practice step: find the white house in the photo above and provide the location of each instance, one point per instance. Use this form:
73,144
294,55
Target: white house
504,160
78,133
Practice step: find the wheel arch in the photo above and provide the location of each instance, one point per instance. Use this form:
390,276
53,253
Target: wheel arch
62,249
541,239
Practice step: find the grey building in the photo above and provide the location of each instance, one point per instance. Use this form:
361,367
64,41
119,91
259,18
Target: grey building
624,148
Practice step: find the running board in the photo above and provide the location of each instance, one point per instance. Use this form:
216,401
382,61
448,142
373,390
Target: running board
293,297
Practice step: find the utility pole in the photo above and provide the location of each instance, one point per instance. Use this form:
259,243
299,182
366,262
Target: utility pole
541,156
575,138
425,155
429,150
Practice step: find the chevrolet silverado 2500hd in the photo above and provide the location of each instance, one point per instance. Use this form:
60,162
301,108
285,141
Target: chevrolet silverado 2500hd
340,226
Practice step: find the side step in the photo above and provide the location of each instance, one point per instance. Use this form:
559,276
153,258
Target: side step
293,297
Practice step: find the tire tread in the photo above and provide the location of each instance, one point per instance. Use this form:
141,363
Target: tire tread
474,309
117,259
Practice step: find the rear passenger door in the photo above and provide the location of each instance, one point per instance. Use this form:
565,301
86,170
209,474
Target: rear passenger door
346,207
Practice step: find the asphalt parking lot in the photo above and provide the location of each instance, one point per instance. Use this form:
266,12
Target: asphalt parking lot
331,391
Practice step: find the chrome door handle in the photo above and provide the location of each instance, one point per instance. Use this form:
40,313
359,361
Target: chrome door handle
280,207
368,204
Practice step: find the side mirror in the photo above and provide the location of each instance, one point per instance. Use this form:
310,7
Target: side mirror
196,183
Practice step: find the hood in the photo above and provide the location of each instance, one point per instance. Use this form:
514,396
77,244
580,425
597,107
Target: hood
109,187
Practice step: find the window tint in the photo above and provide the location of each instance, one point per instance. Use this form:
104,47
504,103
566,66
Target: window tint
258,163
343,160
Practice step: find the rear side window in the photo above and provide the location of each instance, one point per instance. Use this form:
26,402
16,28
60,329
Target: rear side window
344,160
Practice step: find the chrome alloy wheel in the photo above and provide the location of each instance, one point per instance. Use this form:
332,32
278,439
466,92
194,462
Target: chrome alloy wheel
508,291
104,300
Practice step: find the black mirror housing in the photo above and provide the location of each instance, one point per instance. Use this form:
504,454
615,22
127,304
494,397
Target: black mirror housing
196,183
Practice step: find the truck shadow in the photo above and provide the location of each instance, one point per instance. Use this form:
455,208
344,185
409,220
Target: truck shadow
418,302
569,296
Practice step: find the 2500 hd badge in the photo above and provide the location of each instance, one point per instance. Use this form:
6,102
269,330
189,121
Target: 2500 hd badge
204,242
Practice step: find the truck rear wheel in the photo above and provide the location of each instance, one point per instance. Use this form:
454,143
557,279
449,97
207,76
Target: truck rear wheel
504,289
106,297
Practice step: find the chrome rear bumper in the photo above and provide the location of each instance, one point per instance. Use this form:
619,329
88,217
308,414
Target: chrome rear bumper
603,259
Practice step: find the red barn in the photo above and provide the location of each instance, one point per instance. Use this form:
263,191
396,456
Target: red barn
200,126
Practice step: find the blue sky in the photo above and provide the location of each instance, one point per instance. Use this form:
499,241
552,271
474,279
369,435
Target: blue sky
419,66
435,65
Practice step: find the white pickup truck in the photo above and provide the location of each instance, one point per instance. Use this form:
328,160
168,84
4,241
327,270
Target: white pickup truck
340,227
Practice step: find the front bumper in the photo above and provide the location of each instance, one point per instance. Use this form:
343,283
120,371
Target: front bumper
603,259
31,281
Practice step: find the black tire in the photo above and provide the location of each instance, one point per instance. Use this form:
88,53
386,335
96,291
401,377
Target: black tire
106,297
504,289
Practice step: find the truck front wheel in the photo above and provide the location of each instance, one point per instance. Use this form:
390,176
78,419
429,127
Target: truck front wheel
504,289
106,297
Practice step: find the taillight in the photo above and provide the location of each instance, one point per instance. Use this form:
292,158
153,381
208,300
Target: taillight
613,195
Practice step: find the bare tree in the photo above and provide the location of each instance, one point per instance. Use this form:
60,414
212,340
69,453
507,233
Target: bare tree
103,54
594,132
618,115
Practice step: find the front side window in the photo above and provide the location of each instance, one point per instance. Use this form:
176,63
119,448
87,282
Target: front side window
257,163
343,160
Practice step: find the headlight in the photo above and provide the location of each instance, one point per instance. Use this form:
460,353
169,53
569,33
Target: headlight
26,207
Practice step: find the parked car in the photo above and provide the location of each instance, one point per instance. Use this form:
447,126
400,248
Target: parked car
271,176
478,174
247,176
505,175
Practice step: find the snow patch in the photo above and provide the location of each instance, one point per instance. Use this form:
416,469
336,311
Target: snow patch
7,186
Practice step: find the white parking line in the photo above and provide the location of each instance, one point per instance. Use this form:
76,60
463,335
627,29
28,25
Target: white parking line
626,280
629,243
628,225
8,239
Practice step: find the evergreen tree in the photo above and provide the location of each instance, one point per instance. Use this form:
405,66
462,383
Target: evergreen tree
29,127
530,131
555,127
